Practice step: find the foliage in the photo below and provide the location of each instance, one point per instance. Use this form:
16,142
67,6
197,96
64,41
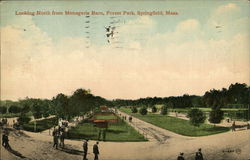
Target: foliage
3,109
196,116
164,110
134,110
143,111
41,125
181,126
216,115
119,132
154,109
37,110
14,109
23,119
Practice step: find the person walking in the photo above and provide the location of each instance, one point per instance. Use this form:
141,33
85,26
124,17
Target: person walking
85,149
198,155
233,126
5,139
181,156
96,150
55,138
62,137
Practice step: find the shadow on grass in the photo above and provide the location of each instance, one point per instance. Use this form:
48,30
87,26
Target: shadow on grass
216,129
115,131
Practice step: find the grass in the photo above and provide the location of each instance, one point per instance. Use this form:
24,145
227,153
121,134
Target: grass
105,117
11,115
117,132
40,125
179,126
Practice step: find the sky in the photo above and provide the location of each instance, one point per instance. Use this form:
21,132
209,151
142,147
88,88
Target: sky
205,46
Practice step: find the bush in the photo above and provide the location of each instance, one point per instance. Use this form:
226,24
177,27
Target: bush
143,111
41,125
134,110
23,119
215,116
196,116
164,110
154,109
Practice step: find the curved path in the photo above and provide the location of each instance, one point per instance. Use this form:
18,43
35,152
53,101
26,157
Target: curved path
152,132
162,145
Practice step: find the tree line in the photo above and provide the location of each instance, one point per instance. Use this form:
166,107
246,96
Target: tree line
237,95
63,106
83,101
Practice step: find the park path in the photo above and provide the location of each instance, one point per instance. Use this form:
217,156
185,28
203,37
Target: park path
152,132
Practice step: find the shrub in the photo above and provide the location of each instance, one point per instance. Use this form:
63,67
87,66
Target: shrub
154,109
23,119
196,116
41,125
215,116
143,111
134,110
164,110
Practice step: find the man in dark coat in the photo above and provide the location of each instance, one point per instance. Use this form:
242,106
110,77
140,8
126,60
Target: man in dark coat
3,140
55,138
85,149
199,155
181,157
96,150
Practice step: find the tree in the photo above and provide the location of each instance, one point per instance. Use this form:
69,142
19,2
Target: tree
14,109
3,109
215,116
134,110
46,108
37,110
143,111
196,116
61,106
164,109
154,109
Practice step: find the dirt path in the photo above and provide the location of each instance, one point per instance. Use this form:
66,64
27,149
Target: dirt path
152,132
225,146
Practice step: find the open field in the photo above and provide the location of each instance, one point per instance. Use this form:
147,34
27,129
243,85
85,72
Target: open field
177,125
41,125
119,132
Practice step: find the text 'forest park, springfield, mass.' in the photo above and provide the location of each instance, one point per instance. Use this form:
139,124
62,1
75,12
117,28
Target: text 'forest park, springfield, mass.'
96,13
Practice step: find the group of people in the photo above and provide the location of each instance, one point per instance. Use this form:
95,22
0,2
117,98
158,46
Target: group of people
3,122
58,135
95,150
198,155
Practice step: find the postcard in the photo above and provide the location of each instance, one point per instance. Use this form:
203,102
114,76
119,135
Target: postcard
125,80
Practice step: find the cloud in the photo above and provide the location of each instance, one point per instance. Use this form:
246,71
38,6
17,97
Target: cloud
167,64
188,25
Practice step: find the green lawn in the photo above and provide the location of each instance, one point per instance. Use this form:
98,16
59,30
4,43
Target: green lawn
11,115
105,117
119,132
41,125
177,125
